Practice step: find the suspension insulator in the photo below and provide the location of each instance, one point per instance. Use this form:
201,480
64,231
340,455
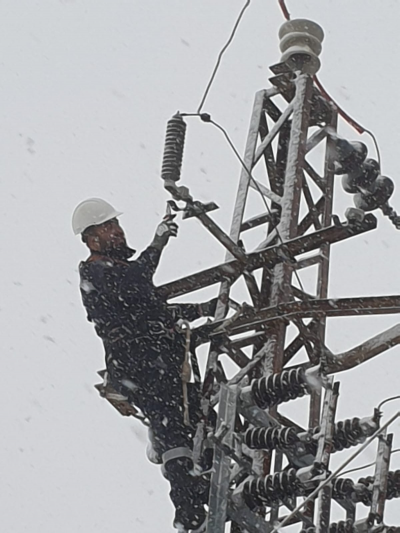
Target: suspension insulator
344,526
393,486
342,488
349,155
381,191
173,148
272,489
279,388
351,432
270,438
364,176
366,484
347,433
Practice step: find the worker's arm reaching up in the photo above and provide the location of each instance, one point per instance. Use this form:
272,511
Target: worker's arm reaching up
168,228
150,257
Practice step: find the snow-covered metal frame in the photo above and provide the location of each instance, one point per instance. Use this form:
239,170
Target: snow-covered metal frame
291,126
300,228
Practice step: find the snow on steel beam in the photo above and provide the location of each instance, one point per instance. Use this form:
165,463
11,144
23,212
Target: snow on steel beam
274,255
332,307
273,133
254,184
365,351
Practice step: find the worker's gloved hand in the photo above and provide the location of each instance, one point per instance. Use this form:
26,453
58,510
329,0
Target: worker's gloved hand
208,308
168,228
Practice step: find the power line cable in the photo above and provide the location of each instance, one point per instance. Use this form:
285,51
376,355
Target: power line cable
387,401
225,133
205,117
366,466
223,50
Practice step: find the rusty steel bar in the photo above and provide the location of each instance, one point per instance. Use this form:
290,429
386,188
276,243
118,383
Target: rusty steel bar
368,305
234,235
381,478
268,257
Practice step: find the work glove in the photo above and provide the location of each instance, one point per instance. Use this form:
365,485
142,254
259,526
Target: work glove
166,229
208,308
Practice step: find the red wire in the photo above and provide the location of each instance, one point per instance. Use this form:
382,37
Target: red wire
360,129
285,11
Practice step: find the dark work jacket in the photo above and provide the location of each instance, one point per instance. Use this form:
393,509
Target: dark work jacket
135,323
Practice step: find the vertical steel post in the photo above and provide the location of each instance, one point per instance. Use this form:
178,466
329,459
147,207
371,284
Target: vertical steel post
220,478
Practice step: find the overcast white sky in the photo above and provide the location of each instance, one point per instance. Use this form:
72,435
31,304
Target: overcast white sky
86,88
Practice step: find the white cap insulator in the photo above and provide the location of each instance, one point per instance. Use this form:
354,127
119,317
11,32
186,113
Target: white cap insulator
301,45
92,212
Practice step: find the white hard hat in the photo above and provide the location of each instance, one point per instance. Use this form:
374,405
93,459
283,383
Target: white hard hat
92,212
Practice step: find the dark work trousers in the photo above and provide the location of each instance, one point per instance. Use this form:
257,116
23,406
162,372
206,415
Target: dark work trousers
148,371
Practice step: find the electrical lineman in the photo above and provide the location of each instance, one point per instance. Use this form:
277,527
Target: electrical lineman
144,348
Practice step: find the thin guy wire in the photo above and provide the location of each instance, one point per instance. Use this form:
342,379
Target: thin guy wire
388,400
335,473
257,186
366,466
231,37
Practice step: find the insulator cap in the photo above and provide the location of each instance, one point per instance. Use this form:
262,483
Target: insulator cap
382,190
349,156
363,177
301,45
173,148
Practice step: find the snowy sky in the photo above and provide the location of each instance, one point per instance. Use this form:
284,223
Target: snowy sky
86,89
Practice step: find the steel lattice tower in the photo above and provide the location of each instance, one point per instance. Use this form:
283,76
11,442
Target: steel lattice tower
262,460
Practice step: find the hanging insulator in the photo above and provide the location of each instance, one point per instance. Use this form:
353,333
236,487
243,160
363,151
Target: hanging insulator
311,529
393,486
344,526
363,490
349,156
365,487
270,438
278,388
381,191
364,176
347,433
342,488
272,489
173,148
353,431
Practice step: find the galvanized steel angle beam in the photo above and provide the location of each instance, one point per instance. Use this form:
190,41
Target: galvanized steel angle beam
323,452
220,477
380,479
268,257
312,308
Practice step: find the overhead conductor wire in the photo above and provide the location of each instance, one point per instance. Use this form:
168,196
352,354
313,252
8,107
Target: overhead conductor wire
366,466
207,118
225,47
